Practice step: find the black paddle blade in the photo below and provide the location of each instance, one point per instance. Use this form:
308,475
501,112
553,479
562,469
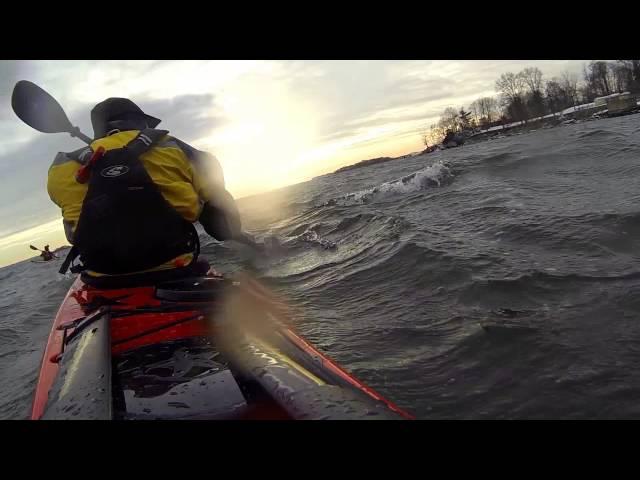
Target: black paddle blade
38,109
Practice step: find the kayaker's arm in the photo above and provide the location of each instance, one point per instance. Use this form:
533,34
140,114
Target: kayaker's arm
219,216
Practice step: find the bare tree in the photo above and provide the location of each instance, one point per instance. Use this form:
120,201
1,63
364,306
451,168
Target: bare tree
599,77
622,76
510,85
436,133
588,90
464,122
449,119
555,95
476,110
488,107
431,135
511,88
618,76
630,70
532,78
491,108
569,86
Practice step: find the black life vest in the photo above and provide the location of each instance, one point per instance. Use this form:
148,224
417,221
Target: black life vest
126,225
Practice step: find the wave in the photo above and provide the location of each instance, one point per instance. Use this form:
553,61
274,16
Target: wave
433,176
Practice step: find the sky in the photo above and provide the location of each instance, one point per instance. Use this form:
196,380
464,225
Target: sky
269,123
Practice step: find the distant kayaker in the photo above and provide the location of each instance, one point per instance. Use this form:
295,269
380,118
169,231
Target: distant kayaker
130,199
47,254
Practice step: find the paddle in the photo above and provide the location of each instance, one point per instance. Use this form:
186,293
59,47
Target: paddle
38,109
273,245
246,239
35,107
36,248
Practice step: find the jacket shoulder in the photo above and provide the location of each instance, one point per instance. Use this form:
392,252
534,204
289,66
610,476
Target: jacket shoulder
81,156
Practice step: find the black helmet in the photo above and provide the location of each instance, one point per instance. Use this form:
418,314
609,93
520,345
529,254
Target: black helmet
120,113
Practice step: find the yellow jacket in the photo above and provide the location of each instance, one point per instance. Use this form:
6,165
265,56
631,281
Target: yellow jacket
186,177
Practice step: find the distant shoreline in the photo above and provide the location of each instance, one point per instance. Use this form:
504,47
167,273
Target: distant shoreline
364,163
504,131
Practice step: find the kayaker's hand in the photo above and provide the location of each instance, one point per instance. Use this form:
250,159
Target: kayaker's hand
221,218
247,239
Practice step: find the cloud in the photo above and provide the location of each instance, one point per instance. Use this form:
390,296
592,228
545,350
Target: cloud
188,117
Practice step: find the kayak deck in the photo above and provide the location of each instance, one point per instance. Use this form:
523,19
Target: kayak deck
202,348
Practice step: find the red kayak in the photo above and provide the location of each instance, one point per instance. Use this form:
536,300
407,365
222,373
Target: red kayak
193,348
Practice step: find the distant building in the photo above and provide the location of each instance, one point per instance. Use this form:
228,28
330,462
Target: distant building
621,103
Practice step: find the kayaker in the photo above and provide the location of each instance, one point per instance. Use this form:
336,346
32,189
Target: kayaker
131,210
47,254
